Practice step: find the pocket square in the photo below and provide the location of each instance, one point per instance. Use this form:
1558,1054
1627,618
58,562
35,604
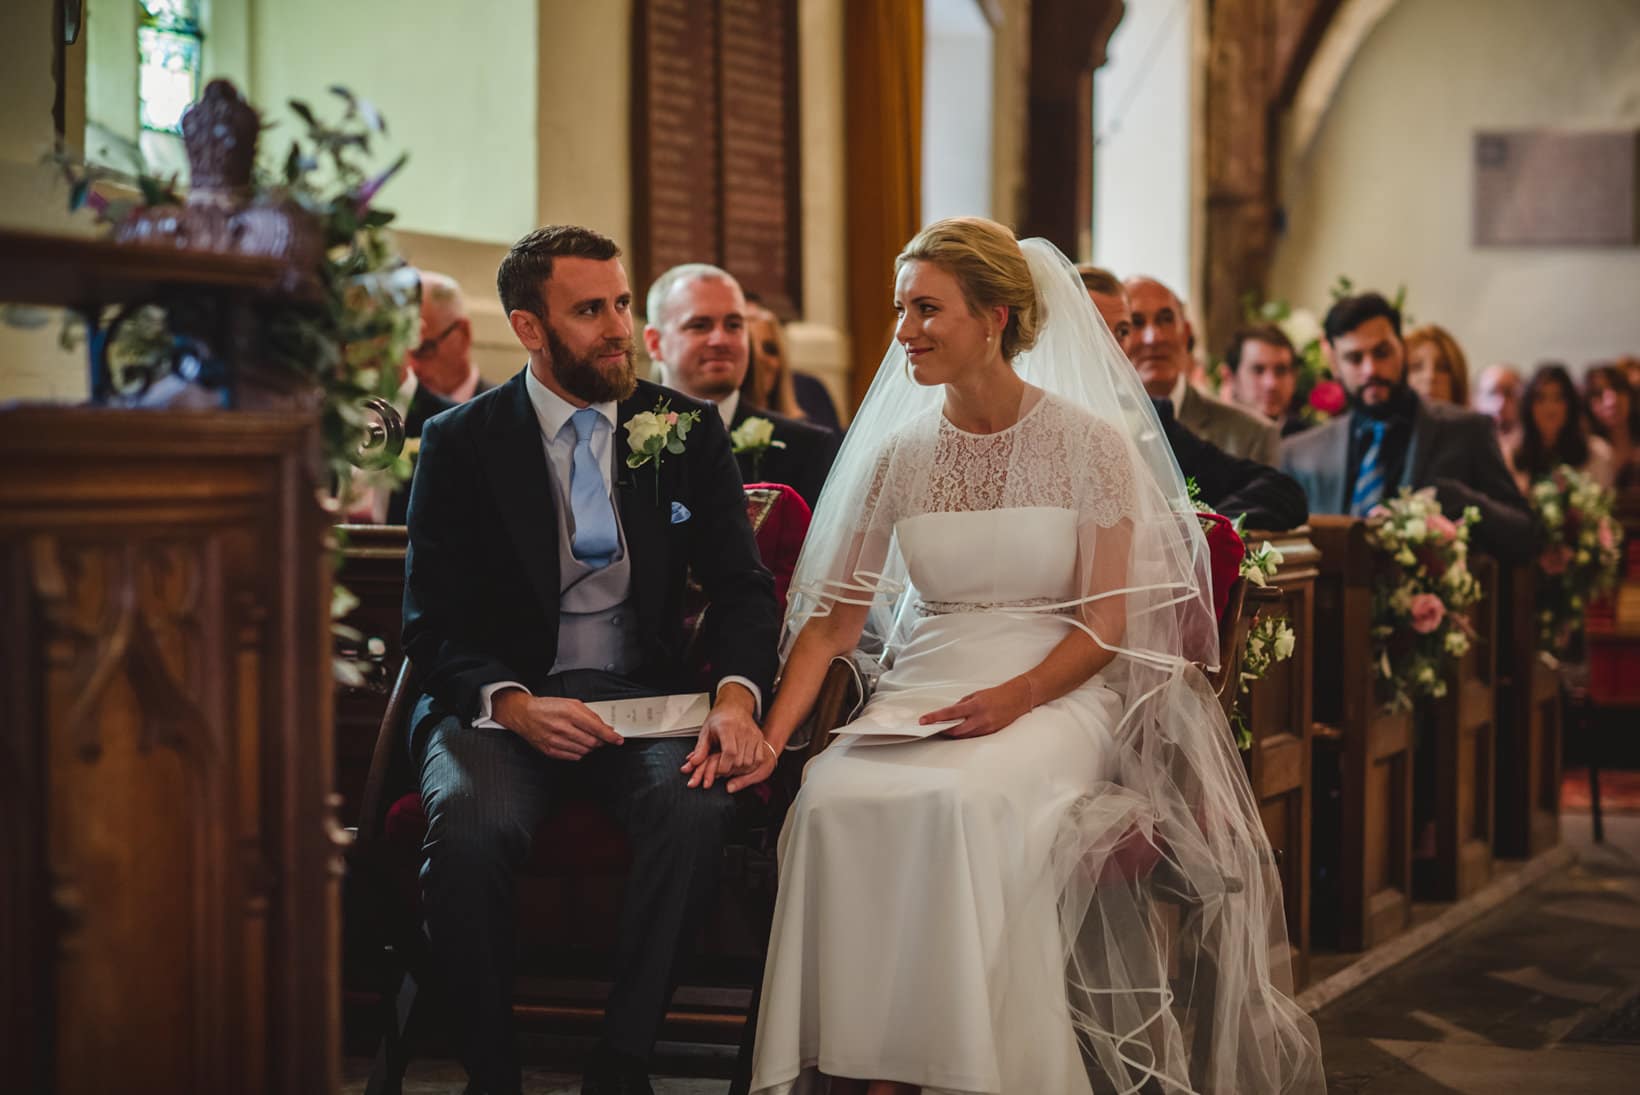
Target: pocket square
680,513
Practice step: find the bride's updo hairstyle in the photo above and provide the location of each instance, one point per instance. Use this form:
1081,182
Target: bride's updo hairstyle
986,260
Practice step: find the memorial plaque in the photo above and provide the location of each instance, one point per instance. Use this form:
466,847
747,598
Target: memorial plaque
714,142
1556,188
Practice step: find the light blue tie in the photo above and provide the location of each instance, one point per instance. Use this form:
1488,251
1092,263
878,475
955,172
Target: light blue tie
596,537
1369,481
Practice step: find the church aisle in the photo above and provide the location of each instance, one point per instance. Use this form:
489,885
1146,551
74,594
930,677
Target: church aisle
1541,996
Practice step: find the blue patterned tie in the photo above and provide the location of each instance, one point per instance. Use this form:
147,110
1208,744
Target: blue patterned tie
596,538
1369,481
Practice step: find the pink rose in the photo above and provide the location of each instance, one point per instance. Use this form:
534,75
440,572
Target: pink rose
1328,397
1427,613
1555,559
1606,535
1444,528
672,418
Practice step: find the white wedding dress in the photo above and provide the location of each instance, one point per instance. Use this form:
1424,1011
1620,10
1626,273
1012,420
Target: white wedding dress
916,935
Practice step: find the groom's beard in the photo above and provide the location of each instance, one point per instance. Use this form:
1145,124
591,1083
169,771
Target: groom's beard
585,378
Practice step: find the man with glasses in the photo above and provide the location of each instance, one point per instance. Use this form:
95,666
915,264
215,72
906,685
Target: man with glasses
439,370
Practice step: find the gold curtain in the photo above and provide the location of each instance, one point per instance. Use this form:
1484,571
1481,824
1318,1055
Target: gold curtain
883,77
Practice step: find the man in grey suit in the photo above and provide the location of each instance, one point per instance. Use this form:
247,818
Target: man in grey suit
1389,438
1158,343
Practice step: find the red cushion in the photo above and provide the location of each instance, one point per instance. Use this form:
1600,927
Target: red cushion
780,533
1225,551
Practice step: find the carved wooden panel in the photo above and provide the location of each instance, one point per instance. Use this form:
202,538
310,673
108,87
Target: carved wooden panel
715,142
167,684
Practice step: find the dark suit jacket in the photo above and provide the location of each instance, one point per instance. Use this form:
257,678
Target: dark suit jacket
1265,498
1451,449
481,577
815,400
423,405
802,465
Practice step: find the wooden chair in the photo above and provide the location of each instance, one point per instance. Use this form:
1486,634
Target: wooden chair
1457,751
579,842
1362,758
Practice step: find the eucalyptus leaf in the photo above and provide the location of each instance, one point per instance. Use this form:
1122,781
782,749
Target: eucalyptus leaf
304,112
675,446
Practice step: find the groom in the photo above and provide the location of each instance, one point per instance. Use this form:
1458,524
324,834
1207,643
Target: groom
544,572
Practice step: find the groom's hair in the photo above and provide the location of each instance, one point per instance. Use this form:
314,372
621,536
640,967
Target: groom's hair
529,264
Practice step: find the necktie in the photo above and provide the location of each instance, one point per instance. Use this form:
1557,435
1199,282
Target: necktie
1369,481
596,538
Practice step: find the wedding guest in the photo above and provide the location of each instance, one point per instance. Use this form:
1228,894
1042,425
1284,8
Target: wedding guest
1497,396
1614,417
1264,374
696,334
1390,438
439,373
1552,432
1436,368
1159,344
1263,497
772,383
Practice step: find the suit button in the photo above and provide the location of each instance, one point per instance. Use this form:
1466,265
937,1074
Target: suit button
616,620
610,668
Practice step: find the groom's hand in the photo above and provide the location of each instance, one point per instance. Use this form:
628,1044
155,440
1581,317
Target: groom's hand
562,729
732,729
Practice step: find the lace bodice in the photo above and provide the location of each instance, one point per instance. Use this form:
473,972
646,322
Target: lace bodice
1056,456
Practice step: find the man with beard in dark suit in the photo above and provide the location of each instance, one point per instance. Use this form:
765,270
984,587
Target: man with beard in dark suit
1390,439
545,571
696,334
440,367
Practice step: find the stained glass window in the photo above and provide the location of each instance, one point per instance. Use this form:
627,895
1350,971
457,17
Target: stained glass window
169,42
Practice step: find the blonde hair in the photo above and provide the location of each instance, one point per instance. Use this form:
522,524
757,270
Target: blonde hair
1448,350
781,396
985,258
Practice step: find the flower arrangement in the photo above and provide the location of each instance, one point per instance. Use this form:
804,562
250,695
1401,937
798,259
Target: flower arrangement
1581,556
347,336
1270,639
1421,596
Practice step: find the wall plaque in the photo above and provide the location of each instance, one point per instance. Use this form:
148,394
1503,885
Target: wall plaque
1556,188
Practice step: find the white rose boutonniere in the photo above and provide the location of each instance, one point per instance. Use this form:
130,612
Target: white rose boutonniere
755,436
651,435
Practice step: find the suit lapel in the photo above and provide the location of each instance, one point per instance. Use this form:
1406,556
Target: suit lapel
1420,447
517,462
644,515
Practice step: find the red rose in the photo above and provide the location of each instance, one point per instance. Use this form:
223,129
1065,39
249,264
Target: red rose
1328,397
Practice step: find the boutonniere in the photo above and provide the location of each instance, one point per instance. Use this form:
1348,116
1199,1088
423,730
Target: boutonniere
652,434
754,437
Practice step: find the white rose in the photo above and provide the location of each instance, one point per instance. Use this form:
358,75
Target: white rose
642,428
754,433
1415,529
1457,643
1302,328
1426,675
1284,643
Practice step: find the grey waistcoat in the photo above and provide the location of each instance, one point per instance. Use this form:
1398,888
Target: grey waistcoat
597,628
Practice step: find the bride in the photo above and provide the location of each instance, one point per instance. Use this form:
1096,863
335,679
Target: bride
1033,865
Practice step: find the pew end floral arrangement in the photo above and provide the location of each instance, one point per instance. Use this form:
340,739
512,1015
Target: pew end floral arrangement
1579,563
1270,638
1422,595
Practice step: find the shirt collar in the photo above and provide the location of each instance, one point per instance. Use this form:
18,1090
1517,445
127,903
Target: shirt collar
553,410
1177,394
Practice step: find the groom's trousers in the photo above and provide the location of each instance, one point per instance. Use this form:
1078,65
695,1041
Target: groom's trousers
485,792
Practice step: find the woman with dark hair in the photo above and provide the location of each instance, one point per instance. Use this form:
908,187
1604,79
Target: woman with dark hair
1614,417
1552,431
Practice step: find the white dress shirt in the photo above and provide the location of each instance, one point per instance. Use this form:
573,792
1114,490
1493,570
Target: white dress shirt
553,413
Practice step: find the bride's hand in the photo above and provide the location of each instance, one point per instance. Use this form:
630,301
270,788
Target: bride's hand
986,711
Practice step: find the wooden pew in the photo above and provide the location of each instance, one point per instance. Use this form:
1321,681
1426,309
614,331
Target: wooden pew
371,567
1278,710
1362,759
1456,753
1529,735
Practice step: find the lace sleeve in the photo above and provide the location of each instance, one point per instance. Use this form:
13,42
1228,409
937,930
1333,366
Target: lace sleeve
880,507
1106,491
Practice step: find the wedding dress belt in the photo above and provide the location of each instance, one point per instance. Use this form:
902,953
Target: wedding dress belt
945,608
